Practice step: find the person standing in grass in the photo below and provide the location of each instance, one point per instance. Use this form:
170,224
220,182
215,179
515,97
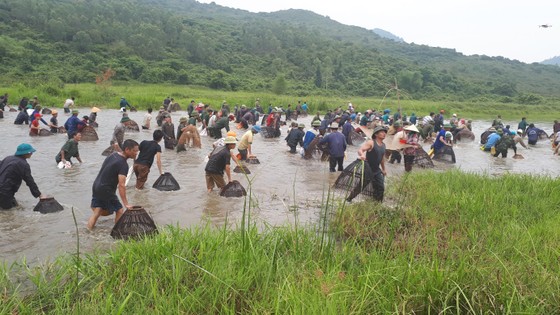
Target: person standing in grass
145,159
373,153
123,104
104,200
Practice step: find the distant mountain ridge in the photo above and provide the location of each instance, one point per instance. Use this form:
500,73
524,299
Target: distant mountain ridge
552,61
388,35
186,42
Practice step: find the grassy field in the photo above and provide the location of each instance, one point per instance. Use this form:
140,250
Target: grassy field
143,96
449,243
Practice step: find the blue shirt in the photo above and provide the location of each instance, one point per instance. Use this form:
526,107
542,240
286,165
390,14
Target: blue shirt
438,144
309,136
336,142
492,140
71,125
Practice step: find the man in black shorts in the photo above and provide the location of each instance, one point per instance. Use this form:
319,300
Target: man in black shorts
218,163
113,173
148,150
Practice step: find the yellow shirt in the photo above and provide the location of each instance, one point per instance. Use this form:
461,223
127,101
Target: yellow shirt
246,140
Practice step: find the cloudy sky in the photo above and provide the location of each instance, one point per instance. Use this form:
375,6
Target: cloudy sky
485,27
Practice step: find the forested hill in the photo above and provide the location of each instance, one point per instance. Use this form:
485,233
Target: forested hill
292,51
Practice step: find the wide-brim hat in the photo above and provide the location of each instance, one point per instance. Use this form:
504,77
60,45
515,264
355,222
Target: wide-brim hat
519,131
301,126
95,110
75,111
230,140
411,128
183,119
316,123
24,148
334,125
125,119
378,129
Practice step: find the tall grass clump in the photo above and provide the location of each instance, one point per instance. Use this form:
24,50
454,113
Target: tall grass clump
441,243
472,242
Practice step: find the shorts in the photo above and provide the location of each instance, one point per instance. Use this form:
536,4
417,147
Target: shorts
212,178
66,110
243,154
110,205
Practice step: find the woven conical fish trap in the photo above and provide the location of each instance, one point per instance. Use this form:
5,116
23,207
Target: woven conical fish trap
422,159
45,133
89,134
166,182
131,125
233,189
252,160
357,139
134,224
241,169
445,155
355,179
270,132
108,151
48,205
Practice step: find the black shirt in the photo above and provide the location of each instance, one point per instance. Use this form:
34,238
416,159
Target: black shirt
148,149
218,161
14,169
107,180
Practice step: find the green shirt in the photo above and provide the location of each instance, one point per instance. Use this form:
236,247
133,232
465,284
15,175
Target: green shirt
70,149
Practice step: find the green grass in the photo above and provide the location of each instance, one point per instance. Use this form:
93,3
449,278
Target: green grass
143,96
449,243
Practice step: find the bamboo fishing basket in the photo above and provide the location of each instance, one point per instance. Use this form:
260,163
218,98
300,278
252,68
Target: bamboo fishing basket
166,182
134,224
233,189
48,205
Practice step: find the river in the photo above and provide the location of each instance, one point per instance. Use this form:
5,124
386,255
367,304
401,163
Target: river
40,237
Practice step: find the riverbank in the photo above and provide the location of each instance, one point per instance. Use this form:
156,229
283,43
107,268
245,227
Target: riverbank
448,242
143,96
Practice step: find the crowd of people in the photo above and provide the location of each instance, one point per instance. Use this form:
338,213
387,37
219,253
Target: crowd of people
379,136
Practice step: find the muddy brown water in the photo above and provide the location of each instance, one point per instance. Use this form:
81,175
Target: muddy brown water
40,237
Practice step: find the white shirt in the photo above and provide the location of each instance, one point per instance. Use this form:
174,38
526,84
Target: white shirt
212,121
147,119
427,119
69,102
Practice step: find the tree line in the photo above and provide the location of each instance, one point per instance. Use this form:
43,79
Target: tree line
292,51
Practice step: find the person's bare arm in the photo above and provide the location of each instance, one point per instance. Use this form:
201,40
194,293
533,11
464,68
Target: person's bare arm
368,145
158,162
122,191
228,173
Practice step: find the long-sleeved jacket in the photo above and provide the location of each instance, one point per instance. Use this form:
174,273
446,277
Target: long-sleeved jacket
336,142
294,137
14,170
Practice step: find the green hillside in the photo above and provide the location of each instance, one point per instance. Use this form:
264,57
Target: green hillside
292,51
